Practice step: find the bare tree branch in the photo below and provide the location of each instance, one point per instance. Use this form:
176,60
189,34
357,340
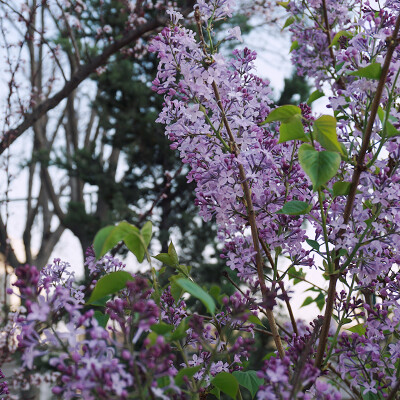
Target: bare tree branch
77,78
48,246
6,248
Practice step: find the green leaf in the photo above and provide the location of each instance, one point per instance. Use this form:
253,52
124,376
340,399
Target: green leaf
359,329
161,271
295,207
313,243
341,188
195,290
369,395
283,113
372,71
295,45
389,129
227,383
108,237
101,318
180,332
161,328
185,269
307,301
254,320
99,241
320,301
297,276
336,38
110,284
216,392
172,253
176,290
269,355
101,302
152,336
343,154
292,129
146,232
165,259
283,3
188,372
288,22
315,96
249,380
163,381
320,166
325,129
215,291
135,245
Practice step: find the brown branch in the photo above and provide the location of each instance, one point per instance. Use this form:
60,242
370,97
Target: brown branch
89,128
48,246
27,236
328,32
82,73
71,35
247,198
253,226
6,248
360,166
394,391
52,194
282,286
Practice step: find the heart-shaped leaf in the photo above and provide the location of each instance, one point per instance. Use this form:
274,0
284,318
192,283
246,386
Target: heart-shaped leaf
227,383
325,130
292,129
249,380
283,113
320,166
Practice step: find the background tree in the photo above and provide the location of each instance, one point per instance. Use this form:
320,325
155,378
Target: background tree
98,157
58,50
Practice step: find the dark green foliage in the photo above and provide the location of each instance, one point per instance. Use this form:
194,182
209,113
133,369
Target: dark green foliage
295,91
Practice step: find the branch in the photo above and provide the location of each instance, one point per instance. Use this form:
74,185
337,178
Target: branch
6,248
360,166
47,246
77,78
52,194
394,391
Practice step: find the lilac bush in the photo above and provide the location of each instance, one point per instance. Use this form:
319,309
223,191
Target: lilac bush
265,174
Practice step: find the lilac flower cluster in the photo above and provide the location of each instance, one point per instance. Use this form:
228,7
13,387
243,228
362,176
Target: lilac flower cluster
337,59
104,265
293,375
234,318
3,385
115,354
136,342
369,356
189,74
213,112
95,361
